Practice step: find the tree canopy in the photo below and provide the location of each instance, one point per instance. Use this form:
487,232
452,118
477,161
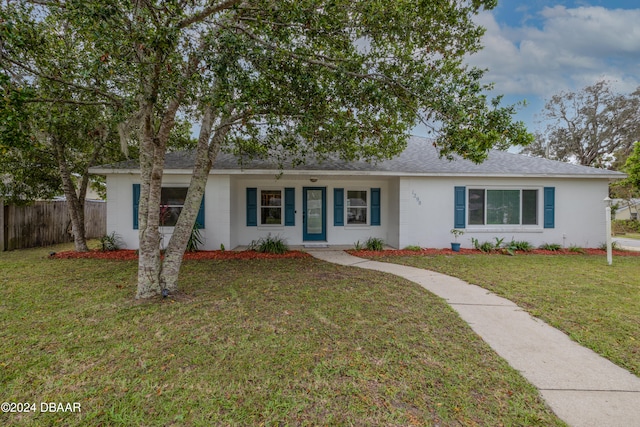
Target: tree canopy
263,78
593,127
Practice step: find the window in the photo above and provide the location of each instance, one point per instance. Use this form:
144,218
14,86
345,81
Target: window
356,207
171,204
503,207
270,207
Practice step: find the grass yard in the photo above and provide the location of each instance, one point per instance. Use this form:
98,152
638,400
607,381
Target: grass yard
252,342
596,304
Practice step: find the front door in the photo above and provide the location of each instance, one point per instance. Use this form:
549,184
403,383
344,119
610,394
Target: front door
314,214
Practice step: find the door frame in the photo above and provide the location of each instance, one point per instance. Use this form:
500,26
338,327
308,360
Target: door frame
322,237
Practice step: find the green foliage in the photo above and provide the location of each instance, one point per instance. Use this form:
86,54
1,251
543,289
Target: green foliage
374,244
632,168
456,233
195,238
110,242
551,246
615,246
357,246
270,245
222,247
520,246
621,226
413,248
484,246
576,249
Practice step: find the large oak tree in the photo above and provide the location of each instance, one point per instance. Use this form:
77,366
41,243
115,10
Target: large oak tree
593,126
279,78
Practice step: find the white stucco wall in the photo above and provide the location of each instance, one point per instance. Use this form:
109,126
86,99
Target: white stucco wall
427,212
414,210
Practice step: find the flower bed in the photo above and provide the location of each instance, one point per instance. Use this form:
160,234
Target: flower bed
431,252
128,255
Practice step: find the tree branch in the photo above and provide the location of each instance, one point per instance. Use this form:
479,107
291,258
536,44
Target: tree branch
206,12
67,101
64,82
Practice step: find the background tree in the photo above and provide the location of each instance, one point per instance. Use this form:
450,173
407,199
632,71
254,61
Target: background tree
295,78
48,147
592,127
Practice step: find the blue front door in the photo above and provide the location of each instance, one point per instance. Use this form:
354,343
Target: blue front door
314,214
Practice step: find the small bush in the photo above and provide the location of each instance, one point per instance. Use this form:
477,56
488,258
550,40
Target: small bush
551,247
622,226
484,246
614,246
520,246
374,244
357,246
195,239
576,249
413,248
269,245
110,242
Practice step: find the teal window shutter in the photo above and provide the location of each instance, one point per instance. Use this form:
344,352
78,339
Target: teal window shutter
252,207
459,207
338,206
549,207
375,206
200,217
136,203
289,206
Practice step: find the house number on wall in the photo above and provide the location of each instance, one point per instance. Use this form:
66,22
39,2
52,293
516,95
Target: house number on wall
415,196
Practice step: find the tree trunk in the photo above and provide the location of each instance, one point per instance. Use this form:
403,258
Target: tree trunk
151,164
75,204
205,156
152,155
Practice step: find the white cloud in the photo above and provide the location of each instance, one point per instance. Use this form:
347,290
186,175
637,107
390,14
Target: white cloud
570,49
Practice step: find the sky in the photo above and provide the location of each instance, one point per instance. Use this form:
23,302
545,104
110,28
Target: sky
534,49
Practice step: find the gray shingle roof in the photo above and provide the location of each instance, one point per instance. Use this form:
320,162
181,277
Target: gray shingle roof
419,158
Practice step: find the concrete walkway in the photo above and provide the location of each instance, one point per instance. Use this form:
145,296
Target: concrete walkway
581,387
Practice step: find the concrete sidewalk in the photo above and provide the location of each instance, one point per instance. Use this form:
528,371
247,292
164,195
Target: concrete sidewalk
582,388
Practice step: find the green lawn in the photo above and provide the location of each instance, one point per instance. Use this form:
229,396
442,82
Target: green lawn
596,304
261,342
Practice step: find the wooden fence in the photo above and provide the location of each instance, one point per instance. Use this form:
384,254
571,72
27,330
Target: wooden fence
47,223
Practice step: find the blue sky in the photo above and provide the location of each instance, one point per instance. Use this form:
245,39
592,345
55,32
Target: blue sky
537,48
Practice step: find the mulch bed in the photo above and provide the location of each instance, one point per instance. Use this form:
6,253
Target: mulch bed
128,255
431,252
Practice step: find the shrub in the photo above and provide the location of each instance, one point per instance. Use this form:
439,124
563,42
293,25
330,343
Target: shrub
269,245
195,238
622,226
357,246
484,246
614,246
413,248
551,247
576,249
520,246
374,244
110,242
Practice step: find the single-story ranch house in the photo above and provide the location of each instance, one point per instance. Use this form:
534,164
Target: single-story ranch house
415,198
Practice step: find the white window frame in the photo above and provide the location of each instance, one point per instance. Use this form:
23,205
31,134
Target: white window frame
347,206
508,227
281,207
